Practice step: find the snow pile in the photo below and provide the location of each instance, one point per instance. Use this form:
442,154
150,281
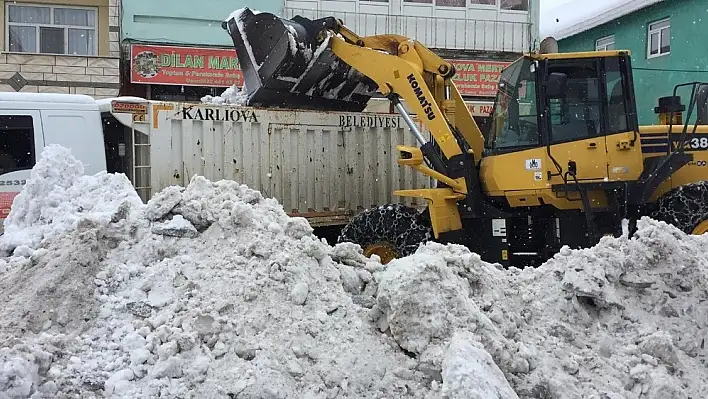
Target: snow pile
212,291
627,318
41,211
232,95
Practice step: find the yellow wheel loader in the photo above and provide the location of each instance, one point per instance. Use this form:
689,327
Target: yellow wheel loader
563,162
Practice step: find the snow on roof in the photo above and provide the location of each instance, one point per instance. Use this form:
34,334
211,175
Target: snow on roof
578,16
47,98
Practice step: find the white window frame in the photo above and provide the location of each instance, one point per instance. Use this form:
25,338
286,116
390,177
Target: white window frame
658,31
602,43
51,25
528,9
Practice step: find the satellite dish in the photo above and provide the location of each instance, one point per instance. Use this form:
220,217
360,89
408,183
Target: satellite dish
548,45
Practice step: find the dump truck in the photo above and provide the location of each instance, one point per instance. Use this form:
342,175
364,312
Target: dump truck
563,163
323,166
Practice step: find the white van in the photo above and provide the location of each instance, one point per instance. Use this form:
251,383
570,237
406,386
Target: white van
31,121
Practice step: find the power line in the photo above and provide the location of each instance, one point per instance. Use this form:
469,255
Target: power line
668,70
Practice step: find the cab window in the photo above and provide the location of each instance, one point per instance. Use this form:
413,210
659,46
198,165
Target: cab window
577,114
515,117
17,150
617,108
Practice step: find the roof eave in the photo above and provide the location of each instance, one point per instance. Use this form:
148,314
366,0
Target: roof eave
605,17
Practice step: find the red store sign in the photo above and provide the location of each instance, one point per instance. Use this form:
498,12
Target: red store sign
477,78
184,66
194,66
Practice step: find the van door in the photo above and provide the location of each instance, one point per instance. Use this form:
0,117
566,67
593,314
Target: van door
21,140
79,130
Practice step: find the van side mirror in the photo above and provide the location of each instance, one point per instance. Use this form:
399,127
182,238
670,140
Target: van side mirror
557,85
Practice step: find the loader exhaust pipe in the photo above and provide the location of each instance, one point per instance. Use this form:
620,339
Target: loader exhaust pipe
288,63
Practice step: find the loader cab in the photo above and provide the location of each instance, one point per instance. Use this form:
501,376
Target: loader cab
561,112
585,94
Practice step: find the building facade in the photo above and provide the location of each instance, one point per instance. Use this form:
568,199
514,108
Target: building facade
175,35
664,38
479,37
60,46
497,26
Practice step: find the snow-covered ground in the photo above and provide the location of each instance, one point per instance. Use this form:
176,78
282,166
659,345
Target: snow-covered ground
212,291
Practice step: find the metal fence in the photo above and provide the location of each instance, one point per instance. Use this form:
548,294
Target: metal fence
434,32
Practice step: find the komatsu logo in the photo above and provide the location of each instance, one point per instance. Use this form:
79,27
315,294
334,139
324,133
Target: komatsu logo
427,107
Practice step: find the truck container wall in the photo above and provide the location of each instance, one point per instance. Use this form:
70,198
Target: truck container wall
325,166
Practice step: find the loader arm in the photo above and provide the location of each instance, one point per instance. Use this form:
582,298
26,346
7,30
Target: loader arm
322,64
406,68
398,66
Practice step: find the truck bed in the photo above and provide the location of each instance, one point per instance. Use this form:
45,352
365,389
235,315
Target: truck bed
325,166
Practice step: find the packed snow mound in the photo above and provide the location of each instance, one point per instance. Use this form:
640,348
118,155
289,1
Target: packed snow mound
232,95
626,318
213,291
41,211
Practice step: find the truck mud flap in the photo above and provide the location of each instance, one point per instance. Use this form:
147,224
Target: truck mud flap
288,63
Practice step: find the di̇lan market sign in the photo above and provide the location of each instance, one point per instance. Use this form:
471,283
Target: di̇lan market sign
211,67
184,66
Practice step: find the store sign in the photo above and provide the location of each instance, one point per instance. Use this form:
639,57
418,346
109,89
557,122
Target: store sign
122,107
477,78
479,108
184,66
193,66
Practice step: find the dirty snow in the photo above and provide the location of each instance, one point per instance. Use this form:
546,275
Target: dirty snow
212,291
41,211
231,96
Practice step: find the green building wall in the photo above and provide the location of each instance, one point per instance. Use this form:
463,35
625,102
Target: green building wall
656,77
180,22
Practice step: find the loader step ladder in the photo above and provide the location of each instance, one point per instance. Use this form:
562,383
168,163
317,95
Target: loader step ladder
141,165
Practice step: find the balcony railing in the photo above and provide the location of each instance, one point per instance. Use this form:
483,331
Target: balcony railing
434,32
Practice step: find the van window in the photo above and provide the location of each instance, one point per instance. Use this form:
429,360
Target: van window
17,150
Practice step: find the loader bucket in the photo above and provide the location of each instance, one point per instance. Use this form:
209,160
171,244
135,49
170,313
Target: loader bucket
288,63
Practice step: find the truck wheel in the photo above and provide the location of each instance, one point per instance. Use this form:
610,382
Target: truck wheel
389,231
686,208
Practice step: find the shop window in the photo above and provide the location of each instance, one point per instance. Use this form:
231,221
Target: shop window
17,150
52,29
419,1
450,3
606,43
515,5
182,93
484,2
659,38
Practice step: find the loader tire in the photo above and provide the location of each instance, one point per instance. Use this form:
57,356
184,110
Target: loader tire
685,207
389,231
